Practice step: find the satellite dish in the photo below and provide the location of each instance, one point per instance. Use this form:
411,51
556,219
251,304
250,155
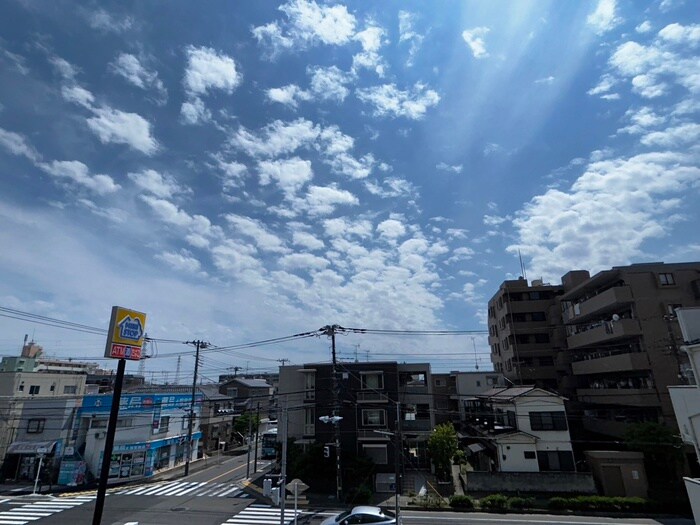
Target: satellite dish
615,318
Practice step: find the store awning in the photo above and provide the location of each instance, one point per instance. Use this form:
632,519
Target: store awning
31,447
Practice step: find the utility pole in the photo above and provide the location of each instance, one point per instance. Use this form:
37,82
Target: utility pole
250,439
257,433
398,449
283,469
330,330
188,444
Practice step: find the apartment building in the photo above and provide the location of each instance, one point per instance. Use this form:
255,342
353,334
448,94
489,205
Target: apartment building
376,400
454,389
525,332
608,342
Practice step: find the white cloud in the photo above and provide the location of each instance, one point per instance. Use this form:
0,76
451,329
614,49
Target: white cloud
18,61
78,95
606,83
344,227
197,229
678,34
113,125
329,83
167,211
606,216
207,70
462,253
193,111
391,229
408,34
475,40
388,100
303,261
644,27
495,220
163,186
675,137
105,21
236,259
546,80
648,86
78,173
233,173
369,58
307,241
17,145
276,138
307,24
290,174
264,239
289,95
323,200
641,119
182,261
130,68
456,168
633,59
63,67
392,187
603,19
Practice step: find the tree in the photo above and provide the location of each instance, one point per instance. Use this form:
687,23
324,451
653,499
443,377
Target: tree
241,423
442,447
662,448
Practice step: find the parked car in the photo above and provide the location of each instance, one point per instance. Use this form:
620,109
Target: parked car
362,514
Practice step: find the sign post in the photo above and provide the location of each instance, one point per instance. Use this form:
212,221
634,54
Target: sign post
124,341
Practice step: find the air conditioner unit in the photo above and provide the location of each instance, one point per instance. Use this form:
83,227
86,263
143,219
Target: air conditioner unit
99,435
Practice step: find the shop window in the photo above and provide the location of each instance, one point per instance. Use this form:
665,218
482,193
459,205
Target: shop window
35,426
374,418
666,279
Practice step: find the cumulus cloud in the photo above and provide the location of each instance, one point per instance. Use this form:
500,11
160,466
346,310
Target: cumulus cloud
197,229
276,138
264,239
182,261
303,261
388,100
323,200
603,18
369,58
391,229
408,34
328,83
130,68
289,95
160,185
78,95
289,174
475,40
307,24
307,240
113,125
78,173
392,187
209,70
605,217
194,111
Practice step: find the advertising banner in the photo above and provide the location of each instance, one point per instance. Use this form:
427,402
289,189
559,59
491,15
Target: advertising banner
126,333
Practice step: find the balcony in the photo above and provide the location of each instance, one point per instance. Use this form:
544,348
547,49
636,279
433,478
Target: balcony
416,424
604,332
638,397
371,396
607,302
611,363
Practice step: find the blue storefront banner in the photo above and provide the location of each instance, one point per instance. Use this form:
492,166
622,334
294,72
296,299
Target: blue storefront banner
135,403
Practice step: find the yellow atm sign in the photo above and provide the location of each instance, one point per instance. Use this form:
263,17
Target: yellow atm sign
127,329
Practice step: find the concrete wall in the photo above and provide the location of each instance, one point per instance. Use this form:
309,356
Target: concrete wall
553,482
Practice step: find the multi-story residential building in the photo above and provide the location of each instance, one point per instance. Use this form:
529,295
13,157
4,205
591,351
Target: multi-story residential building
452,390
607,342
35,408
525,332
522,429
622,335
376,401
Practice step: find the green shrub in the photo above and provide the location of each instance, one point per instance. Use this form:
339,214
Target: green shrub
517,502
497,502
558,503
461,501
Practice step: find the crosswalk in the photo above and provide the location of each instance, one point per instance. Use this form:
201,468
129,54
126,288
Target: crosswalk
29,512
184,488
261,515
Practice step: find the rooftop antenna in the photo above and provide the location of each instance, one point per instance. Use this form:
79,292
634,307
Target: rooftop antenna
522,266
476,357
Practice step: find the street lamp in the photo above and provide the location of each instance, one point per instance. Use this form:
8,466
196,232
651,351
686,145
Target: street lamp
335,420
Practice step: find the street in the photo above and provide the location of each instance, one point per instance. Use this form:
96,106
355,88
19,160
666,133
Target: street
214,496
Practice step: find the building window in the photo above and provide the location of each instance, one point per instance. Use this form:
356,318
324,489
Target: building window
53,387
548,421
309,421
530,454
98,423
377,453
412,379
310,386
666,279
439,382
423,411
538,316
35,426
541,338
34,389
560,460
163,425
374,418
372,380
232,392
21,387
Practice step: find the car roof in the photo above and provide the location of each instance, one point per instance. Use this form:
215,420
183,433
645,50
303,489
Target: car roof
366,509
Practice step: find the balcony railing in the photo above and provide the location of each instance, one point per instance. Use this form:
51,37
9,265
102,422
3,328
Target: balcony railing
371,396
611,300
603,332
606,362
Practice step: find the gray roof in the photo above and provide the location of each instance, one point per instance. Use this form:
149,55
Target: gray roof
250,383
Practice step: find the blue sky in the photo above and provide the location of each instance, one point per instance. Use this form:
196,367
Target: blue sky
247,170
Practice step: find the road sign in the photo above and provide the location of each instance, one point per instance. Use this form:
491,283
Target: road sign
126,333
300,486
